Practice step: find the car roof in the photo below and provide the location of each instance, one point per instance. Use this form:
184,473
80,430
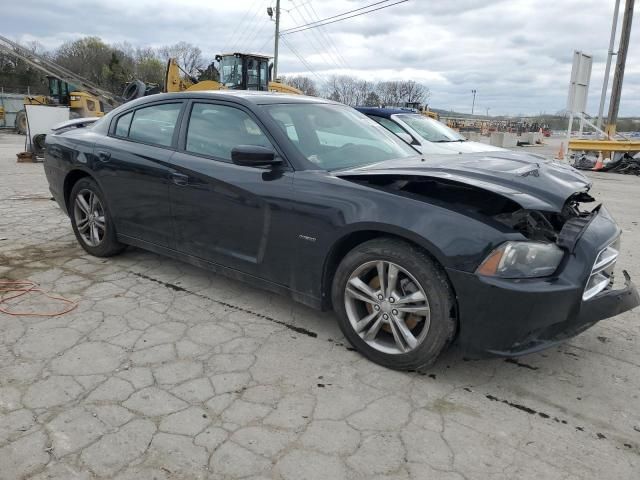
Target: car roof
241,96
385,112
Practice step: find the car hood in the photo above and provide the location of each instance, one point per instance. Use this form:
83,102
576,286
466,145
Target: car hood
469,146
529,180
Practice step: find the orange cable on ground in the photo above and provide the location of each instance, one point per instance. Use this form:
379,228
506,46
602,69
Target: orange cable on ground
22,287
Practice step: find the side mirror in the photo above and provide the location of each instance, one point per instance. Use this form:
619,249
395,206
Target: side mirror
254,156
406,137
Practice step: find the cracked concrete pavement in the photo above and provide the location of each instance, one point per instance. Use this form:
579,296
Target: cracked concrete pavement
167,371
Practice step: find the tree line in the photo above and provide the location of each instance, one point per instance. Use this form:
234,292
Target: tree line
354,91
113,66
108,66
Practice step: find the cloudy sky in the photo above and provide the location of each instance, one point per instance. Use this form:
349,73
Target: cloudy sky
515,53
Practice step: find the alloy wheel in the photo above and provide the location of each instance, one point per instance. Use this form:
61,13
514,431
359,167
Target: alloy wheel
89,217
387,307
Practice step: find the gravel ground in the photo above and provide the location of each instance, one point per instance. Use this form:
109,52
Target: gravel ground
167,371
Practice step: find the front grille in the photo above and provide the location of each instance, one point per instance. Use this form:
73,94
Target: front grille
601,276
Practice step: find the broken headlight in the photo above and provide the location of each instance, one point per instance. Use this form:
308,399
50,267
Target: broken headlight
522,260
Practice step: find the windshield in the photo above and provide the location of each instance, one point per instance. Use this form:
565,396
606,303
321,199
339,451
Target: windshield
231,71
335,136
430,129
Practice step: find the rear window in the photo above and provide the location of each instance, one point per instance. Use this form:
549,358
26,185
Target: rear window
154,124
122,127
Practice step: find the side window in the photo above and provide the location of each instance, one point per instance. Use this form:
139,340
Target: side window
122,127
155,124
388,124
215,130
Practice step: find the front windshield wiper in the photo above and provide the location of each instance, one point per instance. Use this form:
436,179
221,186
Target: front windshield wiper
448,140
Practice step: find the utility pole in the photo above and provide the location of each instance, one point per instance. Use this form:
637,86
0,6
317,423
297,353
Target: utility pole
276,41
473,104
605,83
618,75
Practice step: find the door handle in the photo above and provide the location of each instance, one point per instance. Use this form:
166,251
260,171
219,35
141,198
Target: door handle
104,156
179,179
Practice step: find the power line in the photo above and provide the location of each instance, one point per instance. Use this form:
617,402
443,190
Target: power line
302,60
317,43
269,39
314,15
230,41
251,25
256,34
320,35
252,28
340,15
323,22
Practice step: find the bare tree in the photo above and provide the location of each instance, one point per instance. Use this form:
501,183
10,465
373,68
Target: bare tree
342,88
399,93
148,66
388,92
302,83
412,92
352,91
189,56
363,90
372,99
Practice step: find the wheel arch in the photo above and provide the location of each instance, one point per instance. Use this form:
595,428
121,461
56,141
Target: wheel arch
70,180
343,245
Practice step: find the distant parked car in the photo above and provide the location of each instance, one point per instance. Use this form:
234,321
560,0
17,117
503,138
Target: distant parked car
425,134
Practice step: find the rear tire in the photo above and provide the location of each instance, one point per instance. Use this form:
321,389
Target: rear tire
91,219
403,323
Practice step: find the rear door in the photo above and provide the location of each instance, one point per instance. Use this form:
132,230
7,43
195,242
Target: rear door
225,213
134,171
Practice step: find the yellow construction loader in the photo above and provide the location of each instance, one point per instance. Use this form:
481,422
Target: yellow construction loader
81,104
422,109
237,71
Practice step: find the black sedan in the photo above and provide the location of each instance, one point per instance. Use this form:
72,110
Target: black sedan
312,199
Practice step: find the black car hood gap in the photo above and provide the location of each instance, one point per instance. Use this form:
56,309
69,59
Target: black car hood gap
529,181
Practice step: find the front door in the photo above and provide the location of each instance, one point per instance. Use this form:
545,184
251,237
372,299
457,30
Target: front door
225,213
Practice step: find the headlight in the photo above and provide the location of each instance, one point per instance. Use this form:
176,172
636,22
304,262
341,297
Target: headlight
73,98
522,260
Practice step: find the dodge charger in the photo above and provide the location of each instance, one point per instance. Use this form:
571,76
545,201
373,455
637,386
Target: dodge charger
502,252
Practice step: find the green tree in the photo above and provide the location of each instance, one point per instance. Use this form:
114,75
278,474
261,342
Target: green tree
86,57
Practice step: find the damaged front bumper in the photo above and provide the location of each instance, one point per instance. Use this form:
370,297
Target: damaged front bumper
610,303
516,317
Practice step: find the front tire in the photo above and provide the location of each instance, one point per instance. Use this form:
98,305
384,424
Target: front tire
394,304
91,220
